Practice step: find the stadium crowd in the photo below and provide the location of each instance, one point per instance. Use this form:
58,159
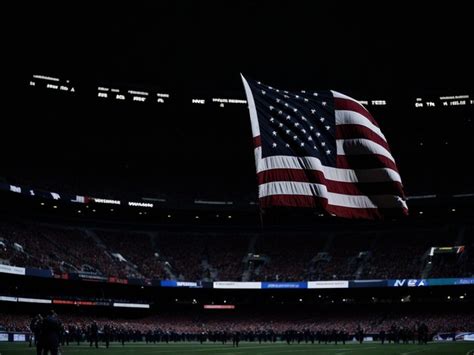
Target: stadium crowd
231,256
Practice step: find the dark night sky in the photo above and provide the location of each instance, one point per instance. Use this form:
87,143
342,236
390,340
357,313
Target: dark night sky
384,50
201,45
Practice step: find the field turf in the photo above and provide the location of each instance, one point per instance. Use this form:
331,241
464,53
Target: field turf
461,348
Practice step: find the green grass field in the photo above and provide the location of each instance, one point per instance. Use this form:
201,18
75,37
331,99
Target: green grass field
461,348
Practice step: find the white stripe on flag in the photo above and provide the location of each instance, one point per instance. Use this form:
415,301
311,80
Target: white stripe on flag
330,173
361,146
338,95
335,199
351,117
252,108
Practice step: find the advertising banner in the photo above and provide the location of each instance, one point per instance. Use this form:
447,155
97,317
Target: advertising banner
237,285
328,284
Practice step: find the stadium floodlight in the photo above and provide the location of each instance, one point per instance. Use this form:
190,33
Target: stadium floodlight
169,216
42,203
55,206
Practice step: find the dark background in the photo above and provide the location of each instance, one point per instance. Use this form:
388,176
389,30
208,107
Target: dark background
193,49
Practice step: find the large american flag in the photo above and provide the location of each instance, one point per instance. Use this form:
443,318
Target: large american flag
321,149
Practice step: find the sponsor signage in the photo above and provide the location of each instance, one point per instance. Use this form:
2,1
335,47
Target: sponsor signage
237,285
131,305
140,204
33,300
76,303
8,299
172,283
7,269
117,280
219,306
19,337
328,284
408,283
465,281
90,277
276,285
106,201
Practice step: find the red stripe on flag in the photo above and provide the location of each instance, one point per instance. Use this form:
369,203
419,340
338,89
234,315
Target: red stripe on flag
366,161
352,131
257,142
350,105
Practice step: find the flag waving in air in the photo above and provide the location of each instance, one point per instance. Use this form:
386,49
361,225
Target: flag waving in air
324,150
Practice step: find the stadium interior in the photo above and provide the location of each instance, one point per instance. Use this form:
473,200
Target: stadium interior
129,203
